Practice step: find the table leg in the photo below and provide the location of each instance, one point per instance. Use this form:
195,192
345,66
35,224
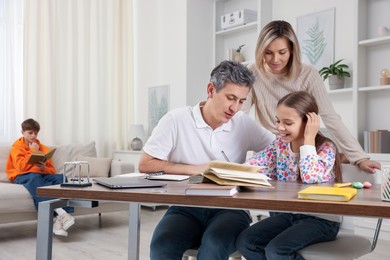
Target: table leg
45,227
134,230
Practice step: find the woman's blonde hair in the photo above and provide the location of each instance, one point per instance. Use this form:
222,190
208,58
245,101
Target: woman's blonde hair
274,30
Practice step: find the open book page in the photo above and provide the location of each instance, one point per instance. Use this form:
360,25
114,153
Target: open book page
242,175
38,156
234,166
236,182
228,173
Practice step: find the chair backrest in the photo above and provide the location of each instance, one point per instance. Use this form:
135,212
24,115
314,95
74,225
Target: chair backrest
353,173
346,246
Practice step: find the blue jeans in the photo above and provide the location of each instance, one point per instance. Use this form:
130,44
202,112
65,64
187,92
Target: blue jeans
213,231
32,180
282,235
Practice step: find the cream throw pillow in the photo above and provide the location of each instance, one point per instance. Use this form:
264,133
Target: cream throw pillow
98,167
69,153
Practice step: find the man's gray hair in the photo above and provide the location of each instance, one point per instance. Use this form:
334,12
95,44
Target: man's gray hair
231,72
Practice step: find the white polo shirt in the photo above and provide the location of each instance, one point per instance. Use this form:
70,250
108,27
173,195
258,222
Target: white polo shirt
182,136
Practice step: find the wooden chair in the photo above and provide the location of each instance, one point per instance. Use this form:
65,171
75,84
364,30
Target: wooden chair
346,246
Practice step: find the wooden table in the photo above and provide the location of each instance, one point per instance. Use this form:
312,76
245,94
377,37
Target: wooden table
282,197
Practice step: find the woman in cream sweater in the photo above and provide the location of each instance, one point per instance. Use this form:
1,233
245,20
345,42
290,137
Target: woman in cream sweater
279,71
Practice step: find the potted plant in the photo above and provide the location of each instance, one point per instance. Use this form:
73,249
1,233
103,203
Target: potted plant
336,74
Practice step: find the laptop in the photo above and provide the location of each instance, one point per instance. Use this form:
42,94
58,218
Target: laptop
128,183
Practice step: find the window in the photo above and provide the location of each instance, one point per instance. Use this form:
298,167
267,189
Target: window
11,68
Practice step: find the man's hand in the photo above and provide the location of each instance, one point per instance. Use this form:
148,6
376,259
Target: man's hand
369,166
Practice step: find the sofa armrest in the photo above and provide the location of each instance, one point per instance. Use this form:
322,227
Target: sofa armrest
120,167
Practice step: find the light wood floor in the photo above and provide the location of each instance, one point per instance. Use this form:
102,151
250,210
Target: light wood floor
89,239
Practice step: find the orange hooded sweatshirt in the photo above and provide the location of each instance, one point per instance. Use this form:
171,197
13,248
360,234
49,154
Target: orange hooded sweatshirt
18,157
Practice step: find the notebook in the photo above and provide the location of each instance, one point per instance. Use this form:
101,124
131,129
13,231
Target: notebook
327,193
128,183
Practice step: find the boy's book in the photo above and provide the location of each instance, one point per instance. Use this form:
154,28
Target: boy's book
327,193
211,189
234,174
39,156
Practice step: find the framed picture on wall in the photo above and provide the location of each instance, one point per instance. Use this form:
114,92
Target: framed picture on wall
158,105
315,33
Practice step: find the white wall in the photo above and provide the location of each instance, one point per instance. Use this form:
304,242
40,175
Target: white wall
173,47
160,49
199,49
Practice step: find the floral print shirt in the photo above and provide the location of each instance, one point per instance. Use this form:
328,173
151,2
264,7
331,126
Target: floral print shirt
283,164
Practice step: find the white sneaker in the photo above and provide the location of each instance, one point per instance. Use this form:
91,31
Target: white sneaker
58,229
66,220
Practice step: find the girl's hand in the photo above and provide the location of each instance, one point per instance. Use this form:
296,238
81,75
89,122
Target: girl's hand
312,128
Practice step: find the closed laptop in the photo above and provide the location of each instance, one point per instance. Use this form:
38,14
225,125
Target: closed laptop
128,182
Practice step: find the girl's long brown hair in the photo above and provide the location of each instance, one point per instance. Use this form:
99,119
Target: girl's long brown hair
303,102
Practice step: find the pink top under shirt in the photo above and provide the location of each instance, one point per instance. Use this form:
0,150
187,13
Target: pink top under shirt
283,164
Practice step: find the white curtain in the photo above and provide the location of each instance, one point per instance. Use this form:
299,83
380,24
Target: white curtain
11,69
78,71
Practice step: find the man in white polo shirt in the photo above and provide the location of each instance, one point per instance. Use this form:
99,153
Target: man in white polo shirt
183,142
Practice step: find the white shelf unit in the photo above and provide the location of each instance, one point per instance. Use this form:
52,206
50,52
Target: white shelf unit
246,34
372,55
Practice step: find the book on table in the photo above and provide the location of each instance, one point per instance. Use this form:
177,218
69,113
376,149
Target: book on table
211,189
233,174
39,156
327,193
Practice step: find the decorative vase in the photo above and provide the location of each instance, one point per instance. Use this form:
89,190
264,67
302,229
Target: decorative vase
383,31
335,82
136,144
239,57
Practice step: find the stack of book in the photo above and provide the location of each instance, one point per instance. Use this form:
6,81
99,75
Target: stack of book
377,141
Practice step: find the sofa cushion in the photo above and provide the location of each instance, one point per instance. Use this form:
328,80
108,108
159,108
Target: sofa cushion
4,152
98,167
15,198
69,153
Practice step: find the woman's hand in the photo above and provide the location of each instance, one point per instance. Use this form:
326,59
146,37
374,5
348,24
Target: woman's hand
312,128
369,166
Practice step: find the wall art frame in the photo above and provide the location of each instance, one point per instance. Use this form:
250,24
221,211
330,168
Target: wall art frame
316,35
158,105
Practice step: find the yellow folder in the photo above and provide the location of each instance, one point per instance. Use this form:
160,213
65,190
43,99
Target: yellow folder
327,193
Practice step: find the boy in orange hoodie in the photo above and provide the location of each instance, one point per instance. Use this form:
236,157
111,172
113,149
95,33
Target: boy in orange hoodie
41,174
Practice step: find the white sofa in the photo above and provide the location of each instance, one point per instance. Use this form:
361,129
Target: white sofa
16,203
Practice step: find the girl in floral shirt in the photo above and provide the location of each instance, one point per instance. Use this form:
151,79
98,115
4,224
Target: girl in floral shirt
301,153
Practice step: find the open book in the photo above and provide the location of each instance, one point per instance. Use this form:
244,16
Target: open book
38,156
228,173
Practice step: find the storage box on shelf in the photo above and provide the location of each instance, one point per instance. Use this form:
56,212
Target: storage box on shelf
238,18
245,33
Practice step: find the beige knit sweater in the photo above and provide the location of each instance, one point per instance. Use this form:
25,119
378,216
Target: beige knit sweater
266,92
